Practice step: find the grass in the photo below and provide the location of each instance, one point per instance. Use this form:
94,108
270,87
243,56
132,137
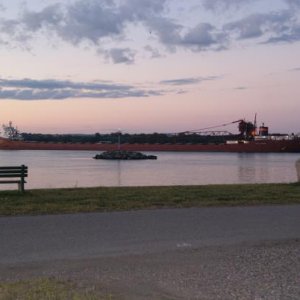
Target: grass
100,199
46,289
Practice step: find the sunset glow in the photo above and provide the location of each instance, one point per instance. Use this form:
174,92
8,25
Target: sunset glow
86,66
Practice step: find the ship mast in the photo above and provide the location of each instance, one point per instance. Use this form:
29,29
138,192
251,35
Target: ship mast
255,125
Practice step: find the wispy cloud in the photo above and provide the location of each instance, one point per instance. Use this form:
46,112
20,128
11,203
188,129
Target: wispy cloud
295,69
30,89
188,81
224,4
241,88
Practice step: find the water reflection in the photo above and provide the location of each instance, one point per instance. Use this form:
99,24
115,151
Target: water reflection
119,173
50,169
256,166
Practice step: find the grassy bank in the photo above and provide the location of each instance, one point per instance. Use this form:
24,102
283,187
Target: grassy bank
53,201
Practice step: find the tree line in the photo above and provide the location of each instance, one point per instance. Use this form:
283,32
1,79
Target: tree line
141,138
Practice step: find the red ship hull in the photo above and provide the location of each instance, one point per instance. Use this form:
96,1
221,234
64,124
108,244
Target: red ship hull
262,146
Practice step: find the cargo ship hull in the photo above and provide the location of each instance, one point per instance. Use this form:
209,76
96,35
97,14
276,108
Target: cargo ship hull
265,146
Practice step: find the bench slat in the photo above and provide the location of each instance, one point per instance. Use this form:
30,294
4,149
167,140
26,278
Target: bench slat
12,175
13,168
13,172
10,181
16,171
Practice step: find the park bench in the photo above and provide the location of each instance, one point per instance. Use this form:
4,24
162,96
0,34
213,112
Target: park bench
14,174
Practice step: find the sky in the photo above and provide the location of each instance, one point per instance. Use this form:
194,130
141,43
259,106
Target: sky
87,66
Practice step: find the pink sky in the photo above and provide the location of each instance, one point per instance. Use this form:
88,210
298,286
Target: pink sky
149,66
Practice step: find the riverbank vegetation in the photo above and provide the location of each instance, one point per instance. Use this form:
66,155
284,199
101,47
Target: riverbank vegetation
102,199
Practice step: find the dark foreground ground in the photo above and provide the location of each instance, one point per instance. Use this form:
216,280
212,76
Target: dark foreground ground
203,253
269,270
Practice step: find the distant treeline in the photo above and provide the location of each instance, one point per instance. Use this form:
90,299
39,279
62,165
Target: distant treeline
152,138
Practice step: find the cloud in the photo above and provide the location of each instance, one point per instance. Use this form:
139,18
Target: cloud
295,69
204,36
50,16
142,9
241,88
95,22
271,27
221,5
91,21
187,81
293,3
30,89
154,53
290,35
167,31
104,25
120,55
224,4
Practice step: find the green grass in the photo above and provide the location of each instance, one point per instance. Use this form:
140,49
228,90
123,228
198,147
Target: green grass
73,200
46,289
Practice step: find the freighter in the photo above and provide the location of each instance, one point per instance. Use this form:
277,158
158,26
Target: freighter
250,140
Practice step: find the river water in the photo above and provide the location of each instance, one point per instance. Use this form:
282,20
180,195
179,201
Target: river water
54,169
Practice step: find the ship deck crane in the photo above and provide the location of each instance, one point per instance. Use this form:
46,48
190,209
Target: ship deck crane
201,130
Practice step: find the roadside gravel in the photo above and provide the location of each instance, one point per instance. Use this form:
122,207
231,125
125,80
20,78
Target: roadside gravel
263,270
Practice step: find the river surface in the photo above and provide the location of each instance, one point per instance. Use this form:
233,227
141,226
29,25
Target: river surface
54,169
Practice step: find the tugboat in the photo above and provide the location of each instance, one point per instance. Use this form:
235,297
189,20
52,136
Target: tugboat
124,155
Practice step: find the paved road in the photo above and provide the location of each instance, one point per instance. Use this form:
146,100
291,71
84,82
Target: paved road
38,238
160,254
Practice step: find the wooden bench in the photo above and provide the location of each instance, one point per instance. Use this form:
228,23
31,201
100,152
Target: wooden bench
15,174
